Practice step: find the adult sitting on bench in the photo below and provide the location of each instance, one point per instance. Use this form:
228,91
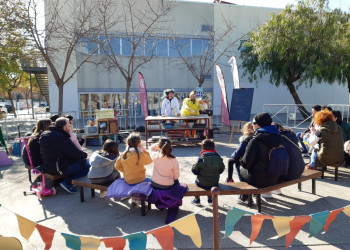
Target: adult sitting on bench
61,156
256,159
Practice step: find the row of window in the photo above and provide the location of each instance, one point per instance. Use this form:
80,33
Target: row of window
161,47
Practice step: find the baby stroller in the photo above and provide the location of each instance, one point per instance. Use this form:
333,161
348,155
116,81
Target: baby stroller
39,189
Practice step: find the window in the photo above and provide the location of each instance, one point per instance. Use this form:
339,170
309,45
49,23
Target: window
150,46
126,46
115,44
182,45
162,47
207,28
197,47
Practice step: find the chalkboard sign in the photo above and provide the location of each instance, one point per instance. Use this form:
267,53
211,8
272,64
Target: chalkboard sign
241,104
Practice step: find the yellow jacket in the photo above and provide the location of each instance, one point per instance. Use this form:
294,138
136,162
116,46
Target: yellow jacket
195,106
133,172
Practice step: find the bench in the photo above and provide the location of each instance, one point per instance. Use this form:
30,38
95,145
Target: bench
85,182
335,166
237,188
47,175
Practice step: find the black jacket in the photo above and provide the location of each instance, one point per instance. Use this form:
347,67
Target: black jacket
296,161
34,150
255,160
56,146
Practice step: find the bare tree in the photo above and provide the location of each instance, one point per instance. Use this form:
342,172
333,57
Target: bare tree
67,23
136,24
201,63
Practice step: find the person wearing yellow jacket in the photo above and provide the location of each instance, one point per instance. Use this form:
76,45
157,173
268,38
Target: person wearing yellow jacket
190,107
132,162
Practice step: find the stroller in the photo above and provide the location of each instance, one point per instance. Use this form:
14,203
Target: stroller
39,189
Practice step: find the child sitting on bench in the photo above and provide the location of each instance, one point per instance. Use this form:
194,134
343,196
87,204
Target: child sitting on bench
102,163
208,168
132,162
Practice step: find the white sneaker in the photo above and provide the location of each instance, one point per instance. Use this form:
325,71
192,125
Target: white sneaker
103,194
277,191
267,195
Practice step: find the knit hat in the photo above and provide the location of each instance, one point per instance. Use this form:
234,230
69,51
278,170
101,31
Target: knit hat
262,119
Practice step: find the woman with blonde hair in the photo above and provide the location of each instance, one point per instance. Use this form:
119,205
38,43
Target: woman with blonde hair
248,132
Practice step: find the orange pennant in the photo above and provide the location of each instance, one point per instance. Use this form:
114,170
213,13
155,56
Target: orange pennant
26,227
331,217
295,226
165,237
46,235
115,243
257,221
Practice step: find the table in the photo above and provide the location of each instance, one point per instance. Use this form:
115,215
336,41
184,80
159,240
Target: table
153,124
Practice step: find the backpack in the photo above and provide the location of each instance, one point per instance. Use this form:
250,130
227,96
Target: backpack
278,161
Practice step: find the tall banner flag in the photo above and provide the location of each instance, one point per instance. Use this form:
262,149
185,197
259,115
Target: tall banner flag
143,95
234,70
224,108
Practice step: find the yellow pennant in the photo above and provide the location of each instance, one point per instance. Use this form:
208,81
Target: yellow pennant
282,225
347,210
89,243
26,227
189,226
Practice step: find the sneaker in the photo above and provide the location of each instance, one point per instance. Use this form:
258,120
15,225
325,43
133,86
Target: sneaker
135,201
304,152
267,195
308,166
229,180
196,201
242,198
307,156
69,188
103,194
210,201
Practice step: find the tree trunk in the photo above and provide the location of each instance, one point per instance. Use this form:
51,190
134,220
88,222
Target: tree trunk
200,82
60,98
297,100
126,107
12,104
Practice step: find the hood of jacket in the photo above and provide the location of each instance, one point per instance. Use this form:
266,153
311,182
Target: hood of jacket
101,166
269,135
52,135
211,158
330,126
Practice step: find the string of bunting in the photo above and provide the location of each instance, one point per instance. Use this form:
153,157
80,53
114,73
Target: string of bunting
284,225
165,235
288,226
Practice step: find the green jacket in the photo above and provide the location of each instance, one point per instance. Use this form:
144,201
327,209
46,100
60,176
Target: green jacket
331,144
208,168
346,131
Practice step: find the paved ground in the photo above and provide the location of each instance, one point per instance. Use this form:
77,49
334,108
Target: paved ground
104,218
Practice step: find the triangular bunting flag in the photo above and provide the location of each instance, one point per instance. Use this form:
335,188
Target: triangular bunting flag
10,243
26,227
295,225
282,225
46,235
317,222
165,237
232,217
331,217
189,226
347,210
257,221
88,243
137,241
72,241
115,243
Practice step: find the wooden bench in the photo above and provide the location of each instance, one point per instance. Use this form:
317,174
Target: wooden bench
335,166
47,175
85,182
237,188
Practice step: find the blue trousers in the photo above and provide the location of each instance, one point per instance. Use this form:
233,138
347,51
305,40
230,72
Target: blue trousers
75,171
301,140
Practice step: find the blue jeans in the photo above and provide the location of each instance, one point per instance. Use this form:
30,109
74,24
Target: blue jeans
313,158
301,140
75,171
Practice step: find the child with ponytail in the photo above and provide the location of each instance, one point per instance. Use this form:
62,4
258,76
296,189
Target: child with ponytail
132,162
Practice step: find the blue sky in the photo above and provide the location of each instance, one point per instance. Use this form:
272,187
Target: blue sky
343,4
